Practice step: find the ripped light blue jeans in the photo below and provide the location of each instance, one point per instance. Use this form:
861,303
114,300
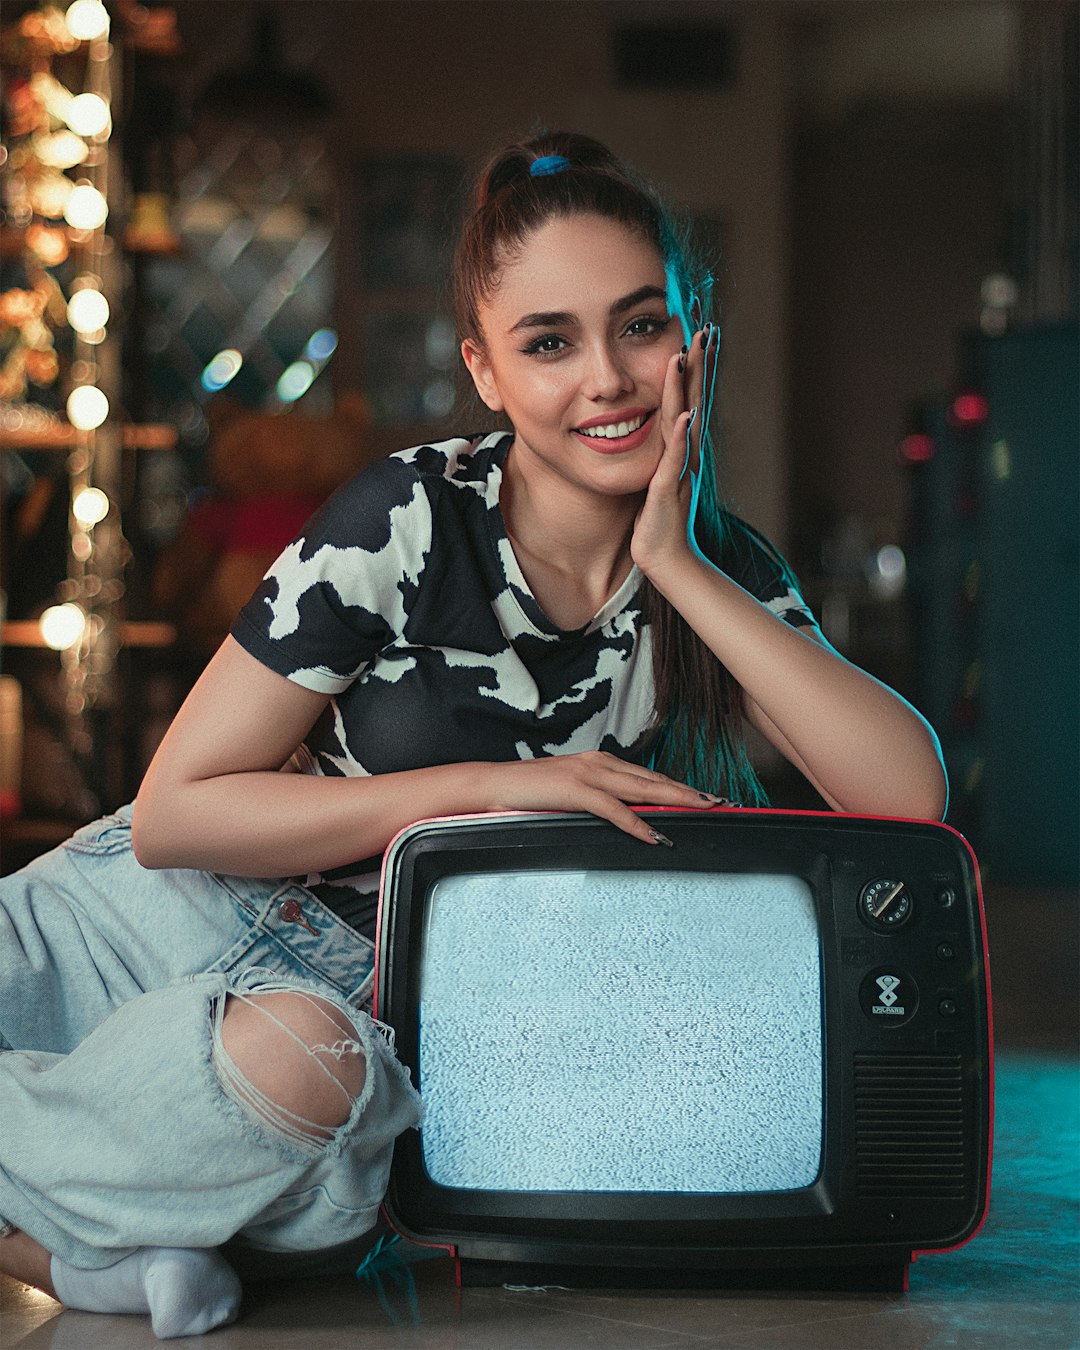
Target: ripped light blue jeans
122,1122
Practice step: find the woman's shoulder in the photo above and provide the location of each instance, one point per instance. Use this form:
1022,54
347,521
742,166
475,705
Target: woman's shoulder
406,481
458,459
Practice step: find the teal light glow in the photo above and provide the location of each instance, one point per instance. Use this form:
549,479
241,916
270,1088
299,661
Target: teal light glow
222,370
295,381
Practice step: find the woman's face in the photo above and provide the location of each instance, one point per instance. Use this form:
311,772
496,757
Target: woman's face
577,342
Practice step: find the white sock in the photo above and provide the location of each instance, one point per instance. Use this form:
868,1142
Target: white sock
186,1290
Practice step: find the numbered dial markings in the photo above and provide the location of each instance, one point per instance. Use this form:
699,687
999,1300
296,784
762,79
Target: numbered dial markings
885,905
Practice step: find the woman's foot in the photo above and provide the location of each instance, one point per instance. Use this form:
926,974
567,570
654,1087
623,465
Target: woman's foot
186,1291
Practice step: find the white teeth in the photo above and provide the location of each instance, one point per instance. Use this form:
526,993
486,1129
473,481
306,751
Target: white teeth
614,430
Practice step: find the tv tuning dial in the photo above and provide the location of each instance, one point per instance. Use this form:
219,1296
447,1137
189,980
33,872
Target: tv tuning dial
885,904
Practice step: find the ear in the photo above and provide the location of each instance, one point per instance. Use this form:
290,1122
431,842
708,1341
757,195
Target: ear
479,367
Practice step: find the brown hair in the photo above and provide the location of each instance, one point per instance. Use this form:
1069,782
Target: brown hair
699,711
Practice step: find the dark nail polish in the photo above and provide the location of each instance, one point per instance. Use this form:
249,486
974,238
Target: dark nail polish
659,838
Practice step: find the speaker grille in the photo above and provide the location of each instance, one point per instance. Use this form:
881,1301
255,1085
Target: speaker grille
909,1126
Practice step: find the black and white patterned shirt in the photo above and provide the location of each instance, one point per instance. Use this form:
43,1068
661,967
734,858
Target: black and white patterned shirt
402,599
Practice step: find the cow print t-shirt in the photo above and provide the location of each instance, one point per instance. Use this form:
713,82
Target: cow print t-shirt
402,599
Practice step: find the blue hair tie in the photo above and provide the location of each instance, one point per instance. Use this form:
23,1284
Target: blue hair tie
548,164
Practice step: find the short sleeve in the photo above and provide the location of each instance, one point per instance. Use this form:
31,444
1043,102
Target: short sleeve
752,561
342,590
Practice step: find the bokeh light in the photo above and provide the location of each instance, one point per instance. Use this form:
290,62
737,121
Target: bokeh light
62,626
86,208
295,381
87,407
222,370
88,311
90,506
87,20
87,114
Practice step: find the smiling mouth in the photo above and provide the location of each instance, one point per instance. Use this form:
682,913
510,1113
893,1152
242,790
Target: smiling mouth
614,431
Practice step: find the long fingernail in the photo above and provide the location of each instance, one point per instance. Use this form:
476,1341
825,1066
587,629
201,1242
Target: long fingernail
693,417
659,838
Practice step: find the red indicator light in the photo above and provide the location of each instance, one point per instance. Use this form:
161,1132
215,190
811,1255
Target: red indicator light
969,410
917,448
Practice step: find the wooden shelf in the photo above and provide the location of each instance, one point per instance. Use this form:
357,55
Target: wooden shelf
162,244
148,436
132,633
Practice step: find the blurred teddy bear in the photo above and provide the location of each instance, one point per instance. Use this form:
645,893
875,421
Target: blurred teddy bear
268,473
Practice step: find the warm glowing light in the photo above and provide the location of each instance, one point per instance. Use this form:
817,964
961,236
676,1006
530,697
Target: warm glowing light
90,506
222,370
86,208
50,194
87,311
87,19
87,114
295,381
87,407
61,150
62,626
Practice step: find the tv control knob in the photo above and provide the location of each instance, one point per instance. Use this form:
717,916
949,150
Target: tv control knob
885,905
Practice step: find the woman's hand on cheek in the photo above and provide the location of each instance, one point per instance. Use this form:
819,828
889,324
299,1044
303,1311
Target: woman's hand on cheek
661,531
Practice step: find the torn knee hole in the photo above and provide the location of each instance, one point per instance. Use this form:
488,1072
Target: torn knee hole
292,1059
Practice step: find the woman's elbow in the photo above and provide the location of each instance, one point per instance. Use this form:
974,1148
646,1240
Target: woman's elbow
147,841
932,801
929,787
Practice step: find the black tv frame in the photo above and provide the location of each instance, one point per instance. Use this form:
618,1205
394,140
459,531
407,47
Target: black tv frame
908,1107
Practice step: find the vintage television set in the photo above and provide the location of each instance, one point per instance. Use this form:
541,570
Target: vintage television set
760,1058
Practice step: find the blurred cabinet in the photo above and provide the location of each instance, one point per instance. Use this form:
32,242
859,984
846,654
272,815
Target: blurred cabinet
995,565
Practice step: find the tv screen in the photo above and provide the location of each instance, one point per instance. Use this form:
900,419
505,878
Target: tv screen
761,1057
619,1057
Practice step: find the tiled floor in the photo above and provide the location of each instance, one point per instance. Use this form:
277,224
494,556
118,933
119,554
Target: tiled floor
1016,1284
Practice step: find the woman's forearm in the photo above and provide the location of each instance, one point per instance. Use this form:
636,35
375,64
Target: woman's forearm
263,823
862,745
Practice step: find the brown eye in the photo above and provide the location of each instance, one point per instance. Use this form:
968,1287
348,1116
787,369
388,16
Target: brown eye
547,345
647,325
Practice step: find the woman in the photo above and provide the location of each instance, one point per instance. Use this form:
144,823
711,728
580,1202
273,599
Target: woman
556,617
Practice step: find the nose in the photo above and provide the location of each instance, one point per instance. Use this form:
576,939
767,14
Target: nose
606,377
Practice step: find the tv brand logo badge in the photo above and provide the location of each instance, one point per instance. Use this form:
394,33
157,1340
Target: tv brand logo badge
889,994
885,1005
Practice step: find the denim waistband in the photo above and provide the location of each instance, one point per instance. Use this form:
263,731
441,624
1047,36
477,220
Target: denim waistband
288,923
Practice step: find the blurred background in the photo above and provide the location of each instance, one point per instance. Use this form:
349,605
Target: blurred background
226,232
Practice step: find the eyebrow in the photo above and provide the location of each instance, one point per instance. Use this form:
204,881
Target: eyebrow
559,318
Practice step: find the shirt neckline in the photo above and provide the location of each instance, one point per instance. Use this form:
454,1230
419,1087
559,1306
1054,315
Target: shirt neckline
508,565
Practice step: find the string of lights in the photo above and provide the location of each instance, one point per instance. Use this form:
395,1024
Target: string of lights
70,141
